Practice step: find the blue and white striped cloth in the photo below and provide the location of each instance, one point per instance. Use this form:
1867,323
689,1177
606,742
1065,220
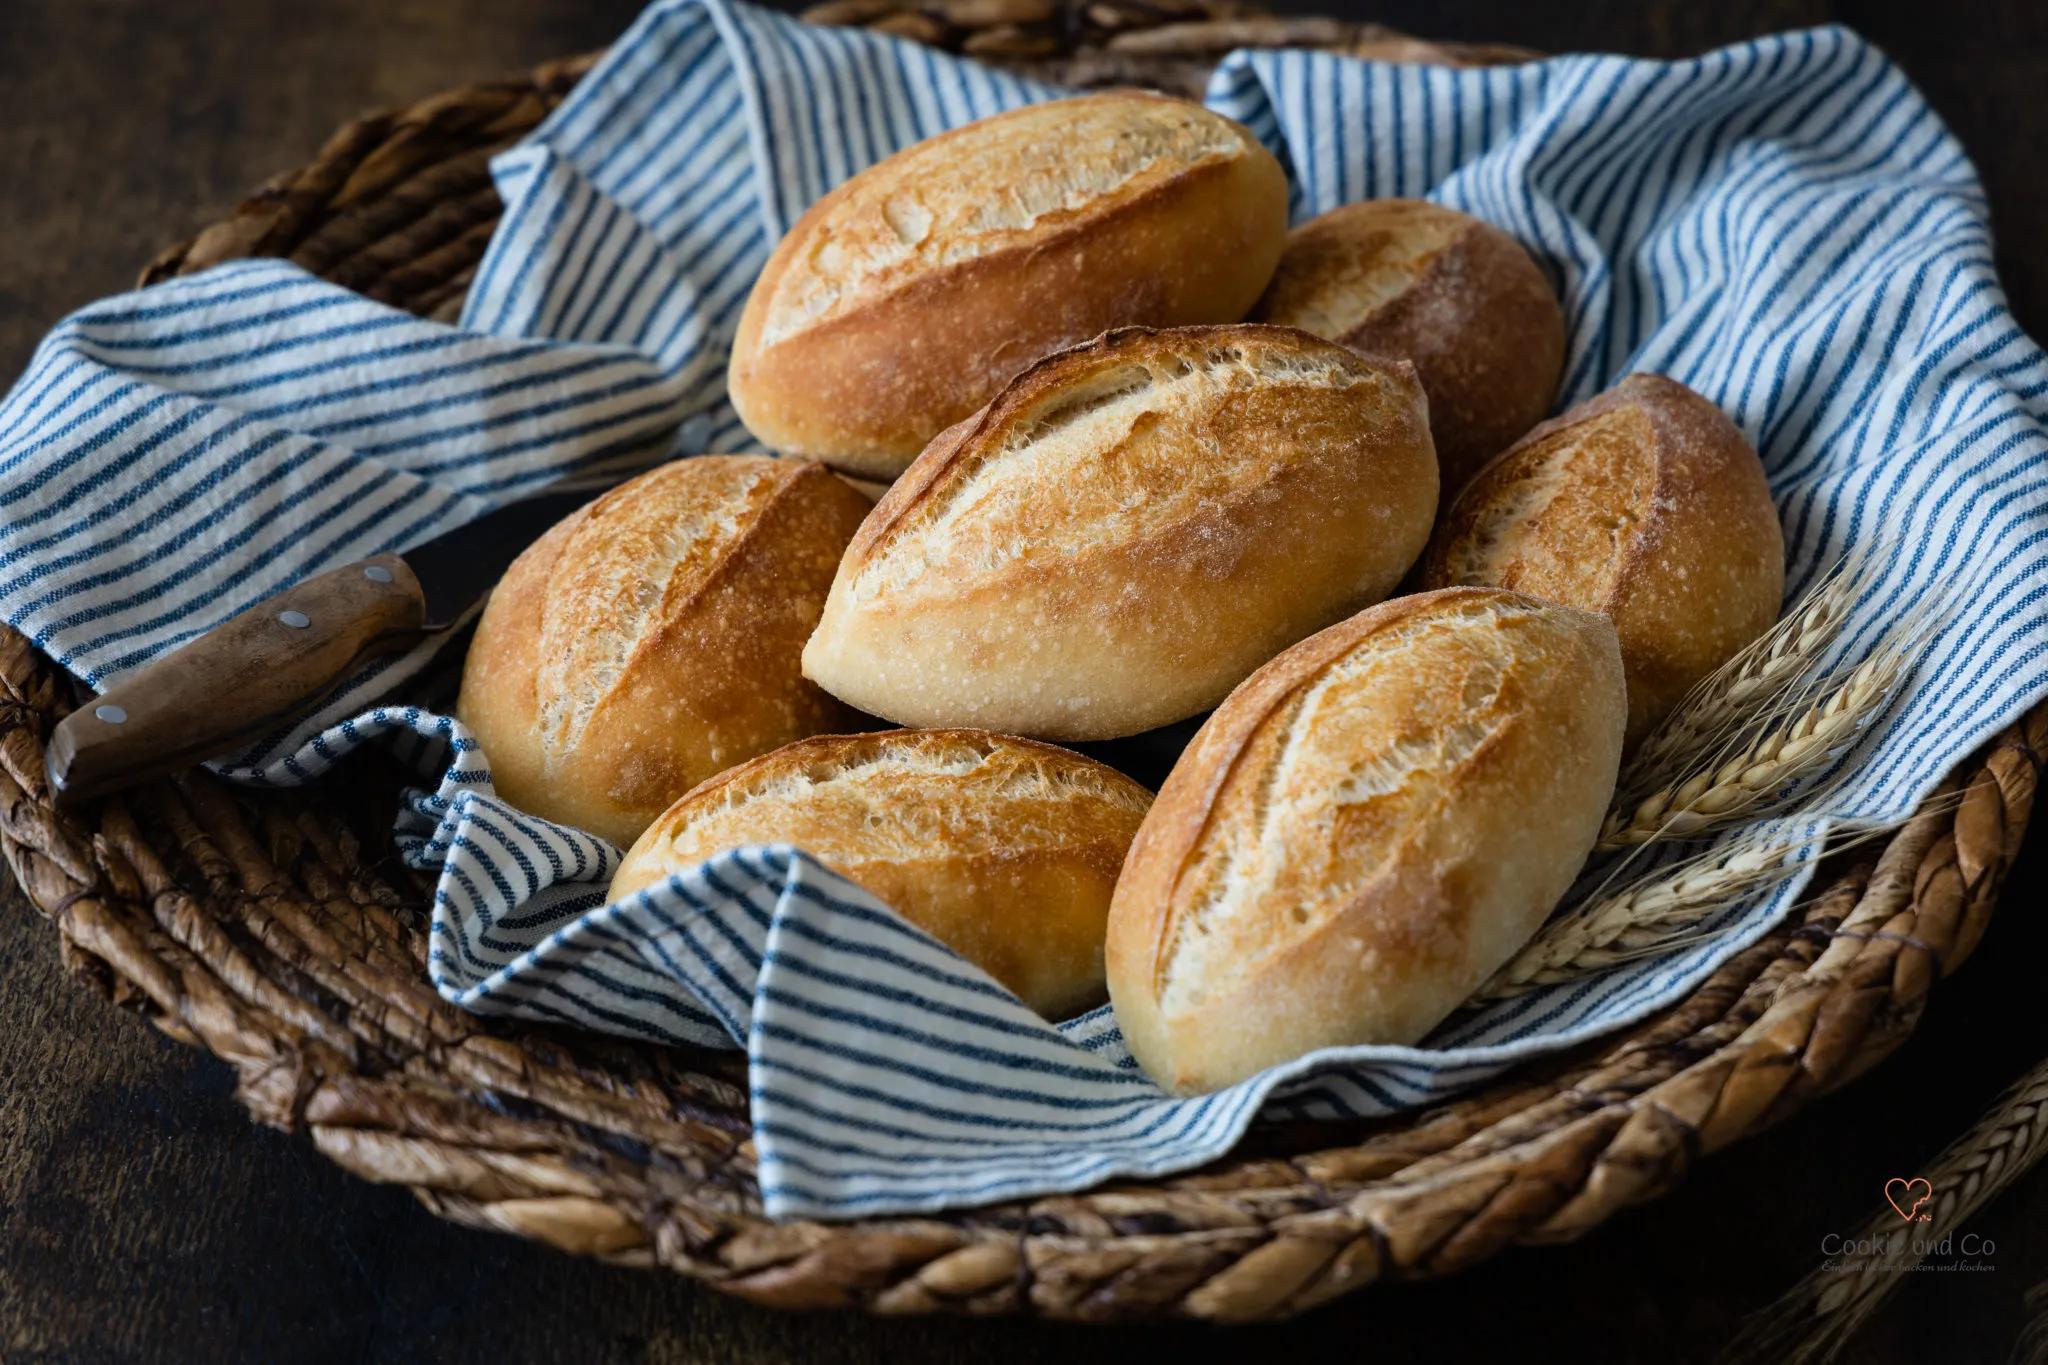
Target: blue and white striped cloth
1783,225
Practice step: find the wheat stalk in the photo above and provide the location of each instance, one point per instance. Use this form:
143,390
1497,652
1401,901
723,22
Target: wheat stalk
1653,913
1766,767
1819,1315
1660,911
1728,696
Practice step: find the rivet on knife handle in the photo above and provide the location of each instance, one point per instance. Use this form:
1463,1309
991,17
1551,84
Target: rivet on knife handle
249,675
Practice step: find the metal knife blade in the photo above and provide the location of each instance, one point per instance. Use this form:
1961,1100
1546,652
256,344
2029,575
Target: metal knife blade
457,568
265,668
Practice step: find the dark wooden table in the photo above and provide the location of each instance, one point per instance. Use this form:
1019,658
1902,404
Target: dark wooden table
142,1217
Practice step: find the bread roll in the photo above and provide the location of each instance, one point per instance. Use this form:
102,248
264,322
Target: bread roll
1370,826
1127,530
1644,504
1459,297
652,639
906,297
1004,849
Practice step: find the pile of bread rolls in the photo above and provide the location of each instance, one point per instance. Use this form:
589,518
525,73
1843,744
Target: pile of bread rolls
1149,455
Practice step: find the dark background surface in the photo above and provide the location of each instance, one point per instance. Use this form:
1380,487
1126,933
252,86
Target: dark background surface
142,1217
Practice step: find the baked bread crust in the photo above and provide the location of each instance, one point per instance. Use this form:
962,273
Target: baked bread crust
1645,504
905,298
652,638
1457,296
1371,824
1005,849
1129,529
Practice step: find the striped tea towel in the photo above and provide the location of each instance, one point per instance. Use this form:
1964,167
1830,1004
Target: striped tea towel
1783,225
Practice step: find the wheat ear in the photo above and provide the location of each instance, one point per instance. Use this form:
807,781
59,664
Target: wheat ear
1660,911
1763,670
1643,916
1812,1322
1747,783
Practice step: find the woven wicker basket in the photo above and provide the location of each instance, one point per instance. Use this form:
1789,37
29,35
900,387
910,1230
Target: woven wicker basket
282,936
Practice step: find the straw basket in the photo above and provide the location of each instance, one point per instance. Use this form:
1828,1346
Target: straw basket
283,936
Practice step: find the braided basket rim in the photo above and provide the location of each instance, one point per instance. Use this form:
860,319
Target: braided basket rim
276,935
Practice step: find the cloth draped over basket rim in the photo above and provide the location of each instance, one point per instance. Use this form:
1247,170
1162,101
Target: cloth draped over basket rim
807,1267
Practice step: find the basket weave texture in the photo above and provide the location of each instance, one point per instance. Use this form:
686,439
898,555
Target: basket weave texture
283,936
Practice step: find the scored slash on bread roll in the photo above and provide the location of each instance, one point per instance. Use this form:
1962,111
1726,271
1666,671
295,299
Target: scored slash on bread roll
652,639
1127,530
1645,504
1455,295
1004,849
907,296
1371,825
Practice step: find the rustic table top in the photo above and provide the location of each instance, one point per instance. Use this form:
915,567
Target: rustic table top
143,1217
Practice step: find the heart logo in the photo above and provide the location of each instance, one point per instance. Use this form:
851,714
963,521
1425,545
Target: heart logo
1897,1192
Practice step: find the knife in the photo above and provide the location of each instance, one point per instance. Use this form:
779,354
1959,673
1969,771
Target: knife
259,671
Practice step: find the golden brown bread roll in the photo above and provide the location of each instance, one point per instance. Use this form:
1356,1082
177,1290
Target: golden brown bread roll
906,297
1127,530
1459,297
1645,504
1371,825
652,639
1004,849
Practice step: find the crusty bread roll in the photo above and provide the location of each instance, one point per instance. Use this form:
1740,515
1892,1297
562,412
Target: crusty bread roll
906,297
1459,297
1371,825
1645,504
1127,530
652,639
1004,849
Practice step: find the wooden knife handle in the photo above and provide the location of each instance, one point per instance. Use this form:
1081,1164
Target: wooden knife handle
252,674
